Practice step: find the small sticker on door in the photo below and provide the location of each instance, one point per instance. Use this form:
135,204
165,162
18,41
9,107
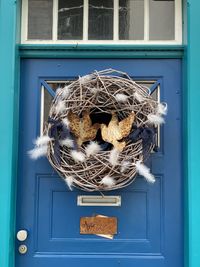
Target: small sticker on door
98,225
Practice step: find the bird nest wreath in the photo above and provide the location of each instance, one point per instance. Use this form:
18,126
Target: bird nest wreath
101,129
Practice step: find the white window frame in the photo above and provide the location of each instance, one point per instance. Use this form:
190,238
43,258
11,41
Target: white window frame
146,41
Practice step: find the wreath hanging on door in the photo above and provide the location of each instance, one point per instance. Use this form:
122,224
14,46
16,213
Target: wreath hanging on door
100,131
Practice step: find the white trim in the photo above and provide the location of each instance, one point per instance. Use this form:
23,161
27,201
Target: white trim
55,21
85,20
178,21
109,42
146,20
24,21
42,110
158,127
116,21
146,41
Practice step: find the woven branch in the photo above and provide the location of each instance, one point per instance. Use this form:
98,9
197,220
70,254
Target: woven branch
97,92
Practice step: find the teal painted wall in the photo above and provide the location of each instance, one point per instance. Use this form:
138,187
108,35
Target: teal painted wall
193,74
7,129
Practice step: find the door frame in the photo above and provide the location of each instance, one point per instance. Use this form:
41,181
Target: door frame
10,54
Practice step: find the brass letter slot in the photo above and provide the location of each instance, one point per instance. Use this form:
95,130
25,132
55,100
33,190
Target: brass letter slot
99,201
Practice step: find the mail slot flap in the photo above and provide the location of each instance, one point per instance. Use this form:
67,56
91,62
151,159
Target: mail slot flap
99,200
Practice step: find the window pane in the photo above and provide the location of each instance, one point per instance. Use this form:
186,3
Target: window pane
40,19
46,99
70,20
162,20
156,96
47,104
100,20
131,19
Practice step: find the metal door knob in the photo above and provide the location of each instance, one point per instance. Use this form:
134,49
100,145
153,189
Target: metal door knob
22,235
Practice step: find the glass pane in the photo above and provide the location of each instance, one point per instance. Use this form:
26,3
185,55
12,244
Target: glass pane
131,19
156,96
47,99
70,20
100,20
40,16
162,20
47,104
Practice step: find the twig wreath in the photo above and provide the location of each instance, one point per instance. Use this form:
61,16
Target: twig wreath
100,131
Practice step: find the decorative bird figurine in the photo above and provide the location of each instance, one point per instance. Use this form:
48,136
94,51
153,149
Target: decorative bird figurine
117,130
82,128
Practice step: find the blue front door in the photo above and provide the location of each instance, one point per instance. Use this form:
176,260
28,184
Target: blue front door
150,219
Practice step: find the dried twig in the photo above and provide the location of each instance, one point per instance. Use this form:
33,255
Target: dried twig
97,92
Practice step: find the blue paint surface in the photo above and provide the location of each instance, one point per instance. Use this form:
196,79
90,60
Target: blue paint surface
150,220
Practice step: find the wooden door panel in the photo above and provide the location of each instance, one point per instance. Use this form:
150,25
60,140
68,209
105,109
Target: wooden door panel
150,230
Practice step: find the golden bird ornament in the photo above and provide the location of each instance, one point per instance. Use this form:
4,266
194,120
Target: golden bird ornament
116,130
82,128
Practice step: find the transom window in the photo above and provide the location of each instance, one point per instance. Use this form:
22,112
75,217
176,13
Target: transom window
101,21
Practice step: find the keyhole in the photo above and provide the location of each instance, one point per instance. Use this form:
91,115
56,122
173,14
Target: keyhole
22,249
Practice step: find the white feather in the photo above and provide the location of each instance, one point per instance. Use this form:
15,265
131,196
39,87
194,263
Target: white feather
108,181
42,140
77,156
67,142
85,79
38,152
162,109
145,172
58,91
138,97
69,181
155,119
114,156
92,148
60,107
125,165
66,122
121,97
66,92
